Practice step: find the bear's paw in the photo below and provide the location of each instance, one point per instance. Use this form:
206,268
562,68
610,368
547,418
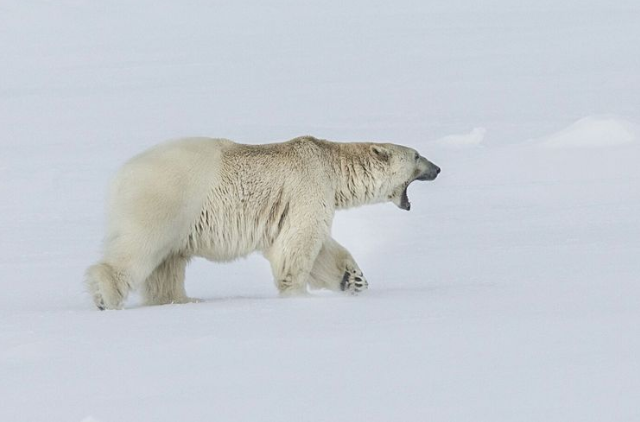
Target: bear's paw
353,282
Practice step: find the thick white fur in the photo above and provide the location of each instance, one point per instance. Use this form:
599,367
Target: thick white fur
220,200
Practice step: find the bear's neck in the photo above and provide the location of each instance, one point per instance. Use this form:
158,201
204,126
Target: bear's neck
355,181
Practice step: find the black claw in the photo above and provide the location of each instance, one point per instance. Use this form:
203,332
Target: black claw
353,282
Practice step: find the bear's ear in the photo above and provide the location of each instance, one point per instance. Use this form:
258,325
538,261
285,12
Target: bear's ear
381,152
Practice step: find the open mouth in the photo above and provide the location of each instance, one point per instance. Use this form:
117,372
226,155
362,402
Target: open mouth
404,199
404,202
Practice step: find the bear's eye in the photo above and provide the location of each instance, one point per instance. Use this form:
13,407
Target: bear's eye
416,156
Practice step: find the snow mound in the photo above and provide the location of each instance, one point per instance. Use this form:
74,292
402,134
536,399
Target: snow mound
471,139
593,132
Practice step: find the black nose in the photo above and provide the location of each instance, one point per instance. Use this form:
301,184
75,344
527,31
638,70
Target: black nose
437,169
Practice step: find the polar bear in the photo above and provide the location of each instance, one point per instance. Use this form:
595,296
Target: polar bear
221,200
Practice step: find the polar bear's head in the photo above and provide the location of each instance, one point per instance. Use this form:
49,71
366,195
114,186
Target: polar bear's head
398,166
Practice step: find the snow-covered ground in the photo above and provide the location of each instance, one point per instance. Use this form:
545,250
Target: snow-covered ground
510,292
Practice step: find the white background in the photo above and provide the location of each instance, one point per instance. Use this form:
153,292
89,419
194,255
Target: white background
509,292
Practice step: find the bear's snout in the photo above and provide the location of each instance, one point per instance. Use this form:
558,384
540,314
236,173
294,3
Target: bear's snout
430,173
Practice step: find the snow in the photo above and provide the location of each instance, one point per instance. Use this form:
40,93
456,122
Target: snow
593,132
509,292
471,139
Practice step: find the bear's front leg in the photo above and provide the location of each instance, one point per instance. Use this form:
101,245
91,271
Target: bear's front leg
335,269
292,256
353,281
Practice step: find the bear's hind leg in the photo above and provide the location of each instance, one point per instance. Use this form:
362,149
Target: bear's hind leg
126,264
108,285
166,283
